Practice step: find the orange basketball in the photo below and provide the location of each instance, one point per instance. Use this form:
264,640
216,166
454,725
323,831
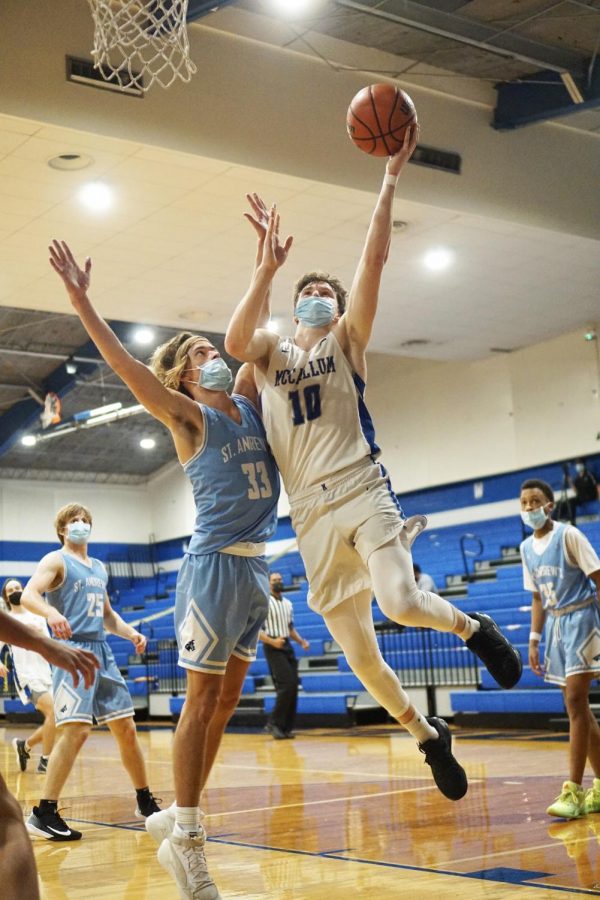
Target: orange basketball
378,117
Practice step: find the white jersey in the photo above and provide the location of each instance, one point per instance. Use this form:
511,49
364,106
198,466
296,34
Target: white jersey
314,413
29,665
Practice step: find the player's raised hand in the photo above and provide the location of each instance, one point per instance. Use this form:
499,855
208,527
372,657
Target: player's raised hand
274,252
75,279
259,218
397,162
59,626
77,662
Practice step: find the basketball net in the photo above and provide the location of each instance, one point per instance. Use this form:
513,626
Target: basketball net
50,415
138,42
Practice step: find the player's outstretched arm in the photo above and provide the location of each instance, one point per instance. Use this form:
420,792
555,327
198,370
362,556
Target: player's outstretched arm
166,405
245,339
364,293
77,662
49,574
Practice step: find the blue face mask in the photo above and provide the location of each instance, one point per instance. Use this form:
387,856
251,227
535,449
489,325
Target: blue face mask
315,312
534,518
215,375
78,532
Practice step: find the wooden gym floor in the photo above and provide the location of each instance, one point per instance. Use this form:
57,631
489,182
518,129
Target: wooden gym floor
329,815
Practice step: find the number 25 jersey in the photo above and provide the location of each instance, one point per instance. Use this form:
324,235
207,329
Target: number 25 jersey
314,413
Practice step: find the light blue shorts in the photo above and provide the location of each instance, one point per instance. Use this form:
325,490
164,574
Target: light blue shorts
572,644
221,604
108,697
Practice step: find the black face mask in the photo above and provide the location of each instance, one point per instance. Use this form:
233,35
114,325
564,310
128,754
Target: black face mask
15,598
277,587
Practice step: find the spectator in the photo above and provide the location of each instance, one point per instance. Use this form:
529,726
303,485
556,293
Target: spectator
424,581
585,486
281,659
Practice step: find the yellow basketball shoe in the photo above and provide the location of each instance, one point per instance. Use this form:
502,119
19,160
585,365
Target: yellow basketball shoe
592,798
570,802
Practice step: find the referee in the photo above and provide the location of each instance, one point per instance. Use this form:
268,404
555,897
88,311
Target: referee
281,659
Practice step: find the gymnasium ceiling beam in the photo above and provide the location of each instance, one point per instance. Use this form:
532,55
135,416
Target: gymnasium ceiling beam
544,95
501,42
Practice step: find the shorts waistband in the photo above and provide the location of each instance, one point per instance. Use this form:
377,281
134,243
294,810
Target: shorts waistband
337,479
565,610
244,548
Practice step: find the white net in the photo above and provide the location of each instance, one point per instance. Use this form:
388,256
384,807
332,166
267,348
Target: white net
139,42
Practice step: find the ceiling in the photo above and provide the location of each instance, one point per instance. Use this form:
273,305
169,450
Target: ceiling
174,250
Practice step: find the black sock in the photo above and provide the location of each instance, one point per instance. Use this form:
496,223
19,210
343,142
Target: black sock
47,806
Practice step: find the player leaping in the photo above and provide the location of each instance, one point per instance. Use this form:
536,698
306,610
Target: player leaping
350,527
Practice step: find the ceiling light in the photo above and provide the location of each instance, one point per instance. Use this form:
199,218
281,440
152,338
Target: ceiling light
29,440
96,196
147,443
71,367
438,258
69,162
143,335
291,8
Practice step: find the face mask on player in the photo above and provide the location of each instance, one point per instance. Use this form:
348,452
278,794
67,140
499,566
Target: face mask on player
214,375
78,532
15,598
315,312
534,518
580,468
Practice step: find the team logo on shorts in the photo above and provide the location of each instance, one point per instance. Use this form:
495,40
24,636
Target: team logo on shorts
589,651
66,701
196,637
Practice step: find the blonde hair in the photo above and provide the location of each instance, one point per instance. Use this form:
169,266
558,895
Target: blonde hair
170,360
67,512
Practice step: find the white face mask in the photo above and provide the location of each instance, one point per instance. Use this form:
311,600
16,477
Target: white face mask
214,375
78,532
535,518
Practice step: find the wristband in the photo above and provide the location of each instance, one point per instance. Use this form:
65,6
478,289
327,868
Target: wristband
535,636
390,179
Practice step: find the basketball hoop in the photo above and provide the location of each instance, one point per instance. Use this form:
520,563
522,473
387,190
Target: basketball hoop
50,415
137,38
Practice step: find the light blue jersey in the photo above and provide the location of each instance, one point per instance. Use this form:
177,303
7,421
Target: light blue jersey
559,583
234,480
80,598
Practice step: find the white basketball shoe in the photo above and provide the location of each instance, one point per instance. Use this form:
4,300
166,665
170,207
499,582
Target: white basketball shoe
182,856
160,824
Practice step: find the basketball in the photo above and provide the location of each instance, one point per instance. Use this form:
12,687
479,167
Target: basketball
378,117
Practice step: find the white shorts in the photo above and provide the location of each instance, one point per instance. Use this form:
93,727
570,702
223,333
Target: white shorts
338,525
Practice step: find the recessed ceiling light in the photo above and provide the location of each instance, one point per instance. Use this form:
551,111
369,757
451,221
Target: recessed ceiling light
96,196
29,440
147,443
438,258
291,8
69,162
143,335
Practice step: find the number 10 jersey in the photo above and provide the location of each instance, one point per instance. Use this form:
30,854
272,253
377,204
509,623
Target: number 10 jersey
314,413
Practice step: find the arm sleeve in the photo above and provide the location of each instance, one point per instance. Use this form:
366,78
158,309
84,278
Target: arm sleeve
580,552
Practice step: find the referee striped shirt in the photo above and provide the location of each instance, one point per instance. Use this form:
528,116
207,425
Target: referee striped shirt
280,618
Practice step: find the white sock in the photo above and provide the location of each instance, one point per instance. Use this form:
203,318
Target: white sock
472,626
188,819
420,728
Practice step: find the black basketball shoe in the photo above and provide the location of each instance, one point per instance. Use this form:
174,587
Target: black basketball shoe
501,659
447,772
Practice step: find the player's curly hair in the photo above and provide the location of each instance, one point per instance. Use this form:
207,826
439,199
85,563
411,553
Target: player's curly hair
338,288
542,486
66,513
169,361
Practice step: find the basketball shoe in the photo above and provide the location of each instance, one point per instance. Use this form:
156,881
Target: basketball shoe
48,824
501,659
146,804
413,527
42,765
160,824
21,753
591,802
182,856
570,802
447,772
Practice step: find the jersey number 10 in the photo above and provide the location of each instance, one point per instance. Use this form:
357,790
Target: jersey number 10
312,404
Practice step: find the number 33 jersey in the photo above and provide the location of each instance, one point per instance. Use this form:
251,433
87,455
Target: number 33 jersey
234,480
314,413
